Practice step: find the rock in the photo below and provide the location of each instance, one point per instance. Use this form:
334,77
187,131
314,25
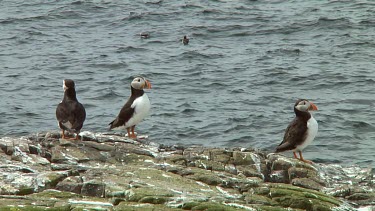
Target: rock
35,159
35,149
8,144
59,155
306,183
206,177
93,188
278,176
71,184
49,180
98,146
244,158
110,172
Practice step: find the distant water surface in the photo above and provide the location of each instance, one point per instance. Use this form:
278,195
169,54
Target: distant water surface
235,84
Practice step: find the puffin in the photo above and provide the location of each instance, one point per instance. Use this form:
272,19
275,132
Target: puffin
144,35
301,131
135,109
70,113
185,40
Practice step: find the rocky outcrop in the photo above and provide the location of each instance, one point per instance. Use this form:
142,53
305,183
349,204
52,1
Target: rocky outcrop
110,172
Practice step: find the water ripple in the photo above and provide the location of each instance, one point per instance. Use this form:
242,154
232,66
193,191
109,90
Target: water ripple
234,84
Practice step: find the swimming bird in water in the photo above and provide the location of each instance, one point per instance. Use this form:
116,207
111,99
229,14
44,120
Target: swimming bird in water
185,40
70,114
144,35
135,109
301,131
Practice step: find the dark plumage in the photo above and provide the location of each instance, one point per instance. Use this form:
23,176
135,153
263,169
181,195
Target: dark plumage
301,131
135,109
144,35
185,40
127,110
70,114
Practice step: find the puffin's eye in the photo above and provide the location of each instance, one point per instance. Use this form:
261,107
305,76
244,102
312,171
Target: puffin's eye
139,80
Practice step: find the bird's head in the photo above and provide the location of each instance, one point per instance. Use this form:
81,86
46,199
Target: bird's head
140,83
305,105
68,84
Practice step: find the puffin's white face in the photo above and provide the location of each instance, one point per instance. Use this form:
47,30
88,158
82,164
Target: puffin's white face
305,105
140,83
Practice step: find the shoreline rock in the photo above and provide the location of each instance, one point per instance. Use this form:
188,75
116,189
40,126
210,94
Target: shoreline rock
111,172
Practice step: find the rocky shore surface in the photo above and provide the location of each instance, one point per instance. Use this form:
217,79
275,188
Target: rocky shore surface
111,172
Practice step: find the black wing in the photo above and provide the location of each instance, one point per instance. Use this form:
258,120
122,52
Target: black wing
73,112
61,114
294,135
78,117
125,114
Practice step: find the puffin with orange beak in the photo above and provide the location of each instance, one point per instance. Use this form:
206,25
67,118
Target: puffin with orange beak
135,109
301,131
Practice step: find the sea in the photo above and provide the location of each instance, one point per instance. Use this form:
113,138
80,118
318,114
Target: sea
233,85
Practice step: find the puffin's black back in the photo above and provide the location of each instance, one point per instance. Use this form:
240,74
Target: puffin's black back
296,131
127,111
70,110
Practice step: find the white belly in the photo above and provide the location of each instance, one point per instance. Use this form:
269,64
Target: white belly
312,130
141,107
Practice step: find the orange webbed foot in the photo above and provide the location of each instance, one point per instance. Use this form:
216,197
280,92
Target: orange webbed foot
307,161
133,136
301,158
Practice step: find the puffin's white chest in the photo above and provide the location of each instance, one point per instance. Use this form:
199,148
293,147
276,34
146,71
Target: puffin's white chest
312,130
141,107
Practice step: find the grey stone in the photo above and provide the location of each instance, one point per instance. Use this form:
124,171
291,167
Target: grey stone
71,184
93,188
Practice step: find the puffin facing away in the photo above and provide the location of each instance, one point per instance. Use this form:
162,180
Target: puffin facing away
301,131
70,114
185,40
135,109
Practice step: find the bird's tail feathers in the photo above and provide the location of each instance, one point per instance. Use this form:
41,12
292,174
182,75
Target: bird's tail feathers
283,147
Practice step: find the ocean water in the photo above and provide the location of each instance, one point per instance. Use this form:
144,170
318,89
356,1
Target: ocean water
235,84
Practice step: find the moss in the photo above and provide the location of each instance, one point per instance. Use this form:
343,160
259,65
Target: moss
306,183
263,190
207,178
211,206
295,202
285,189
55,194
24,190
153,200
257,199
300,202
361,196
275,208
34,208
321,208
126,206
136,194
190,205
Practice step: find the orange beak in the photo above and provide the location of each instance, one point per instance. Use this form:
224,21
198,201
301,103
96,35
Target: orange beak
148,84
313,107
